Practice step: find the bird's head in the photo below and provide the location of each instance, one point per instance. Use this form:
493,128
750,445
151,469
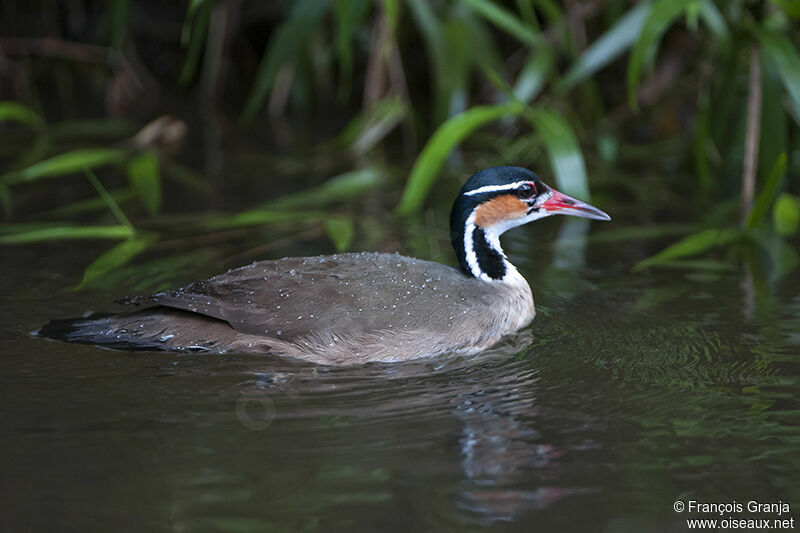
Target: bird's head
497,199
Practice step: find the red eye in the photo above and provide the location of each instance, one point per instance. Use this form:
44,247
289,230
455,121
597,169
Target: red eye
525,190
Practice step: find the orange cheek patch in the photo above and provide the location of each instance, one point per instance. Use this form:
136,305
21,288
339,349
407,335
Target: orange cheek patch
499,209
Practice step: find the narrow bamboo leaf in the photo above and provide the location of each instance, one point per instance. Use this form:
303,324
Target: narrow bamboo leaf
21,227
505,20
551,9
703,140
660,17
5,199
103,129
66,163
774,120
787,58
342,188
525,8
145,178
768,191
59,233
115,258
708,265
112,205
431,29
260,217
563,150
715,21
392,9
340,230
446,137
691,245
284,46
348,15
188,20
382,119
534,74
634,233
194,35
786,214
187,177
89,205
608,47
462,52
783,256
16,112
118,24
790,7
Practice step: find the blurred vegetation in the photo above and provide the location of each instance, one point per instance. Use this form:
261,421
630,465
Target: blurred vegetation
317,110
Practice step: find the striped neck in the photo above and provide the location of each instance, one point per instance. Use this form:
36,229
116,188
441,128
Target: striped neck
479,252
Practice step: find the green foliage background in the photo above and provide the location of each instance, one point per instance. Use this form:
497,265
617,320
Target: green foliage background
326,103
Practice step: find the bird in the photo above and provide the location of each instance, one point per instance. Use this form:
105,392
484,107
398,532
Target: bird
354,308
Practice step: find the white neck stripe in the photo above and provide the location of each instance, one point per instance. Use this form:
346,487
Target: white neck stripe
469,250
496,188
493,240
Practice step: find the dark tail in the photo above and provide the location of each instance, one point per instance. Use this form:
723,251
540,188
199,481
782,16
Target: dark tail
103,330
154,328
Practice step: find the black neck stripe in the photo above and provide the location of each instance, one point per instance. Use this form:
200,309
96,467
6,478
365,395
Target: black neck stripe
490,261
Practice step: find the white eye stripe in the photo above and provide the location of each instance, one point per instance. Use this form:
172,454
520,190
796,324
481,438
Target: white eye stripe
496,188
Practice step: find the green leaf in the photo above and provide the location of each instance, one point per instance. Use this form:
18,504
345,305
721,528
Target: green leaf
786,57
16,112
715,21
505,20
431,30
348,15
563,150
774,121
784,258
89,205
193,36
340,230
59,233
635,233
118,15
65,164
661,16
382,119
691,245
790,7
191,11
462,50
768,191
608,47
285,44
342,188
105,129
368,126
143,173
703,141
551,10
5,200
708,265
114,258
260,217
786,214
112,205
447,136
534,74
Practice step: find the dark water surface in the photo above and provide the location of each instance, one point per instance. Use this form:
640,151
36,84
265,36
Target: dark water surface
627,393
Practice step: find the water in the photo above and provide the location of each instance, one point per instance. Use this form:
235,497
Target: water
627,393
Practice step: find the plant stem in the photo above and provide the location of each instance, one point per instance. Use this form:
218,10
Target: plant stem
107,198
753,133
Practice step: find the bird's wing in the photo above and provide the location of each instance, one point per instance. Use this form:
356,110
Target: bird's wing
351,293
